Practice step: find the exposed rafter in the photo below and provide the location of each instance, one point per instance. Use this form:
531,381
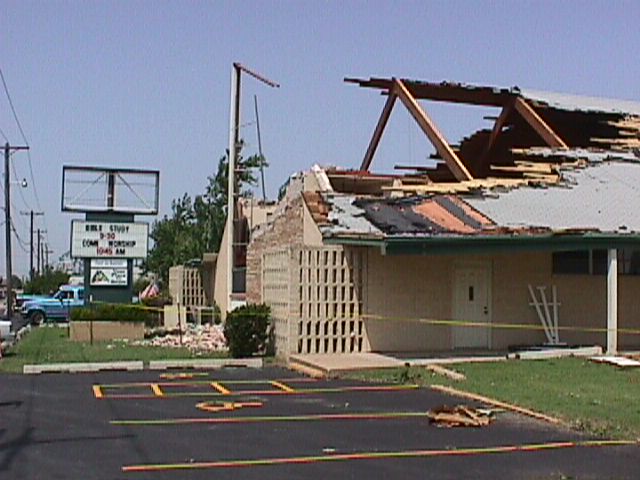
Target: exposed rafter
377,134
495,133
538,124
454,163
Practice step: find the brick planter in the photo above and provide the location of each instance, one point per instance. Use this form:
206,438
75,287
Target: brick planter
101,331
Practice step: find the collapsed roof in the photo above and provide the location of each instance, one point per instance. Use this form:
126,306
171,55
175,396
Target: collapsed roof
551,164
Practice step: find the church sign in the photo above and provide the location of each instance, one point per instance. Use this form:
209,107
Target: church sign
109,240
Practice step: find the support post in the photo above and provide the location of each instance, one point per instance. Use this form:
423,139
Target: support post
612,302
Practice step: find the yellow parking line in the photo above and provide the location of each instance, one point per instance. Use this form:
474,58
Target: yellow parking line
97,391
157,391
220,388
282,386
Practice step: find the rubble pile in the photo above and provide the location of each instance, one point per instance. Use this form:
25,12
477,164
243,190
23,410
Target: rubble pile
194,337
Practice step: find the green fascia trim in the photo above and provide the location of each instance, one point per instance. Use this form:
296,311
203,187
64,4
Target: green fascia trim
354,241
493,244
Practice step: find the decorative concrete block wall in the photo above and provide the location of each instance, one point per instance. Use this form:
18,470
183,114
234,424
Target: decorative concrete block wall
315,297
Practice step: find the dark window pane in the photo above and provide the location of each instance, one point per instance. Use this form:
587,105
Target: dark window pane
599,262
573,262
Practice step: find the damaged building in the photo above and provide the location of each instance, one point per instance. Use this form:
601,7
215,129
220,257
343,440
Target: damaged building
521,234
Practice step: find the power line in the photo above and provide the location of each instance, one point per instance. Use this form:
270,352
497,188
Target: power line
26,142
21,243
4,136
15,115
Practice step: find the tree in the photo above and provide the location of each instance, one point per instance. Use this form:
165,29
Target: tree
196,226
48,281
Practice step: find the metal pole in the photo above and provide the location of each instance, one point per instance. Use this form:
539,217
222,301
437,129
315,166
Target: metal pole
7,220
31,245
38,252
111,190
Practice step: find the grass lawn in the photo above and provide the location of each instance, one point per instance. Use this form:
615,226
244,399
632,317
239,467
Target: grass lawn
599,399
52,345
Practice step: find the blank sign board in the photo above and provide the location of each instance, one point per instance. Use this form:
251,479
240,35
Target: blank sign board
97,189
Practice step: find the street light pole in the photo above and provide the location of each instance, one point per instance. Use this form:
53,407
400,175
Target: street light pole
7,219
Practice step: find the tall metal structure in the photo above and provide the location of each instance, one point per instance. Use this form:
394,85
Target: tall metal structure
236,244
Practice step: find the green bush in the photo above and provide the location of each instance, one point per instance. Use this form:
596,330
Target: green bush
247,330
110,312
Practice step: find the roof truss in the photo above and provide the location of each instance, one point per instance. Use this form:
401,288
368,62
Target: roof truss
409,92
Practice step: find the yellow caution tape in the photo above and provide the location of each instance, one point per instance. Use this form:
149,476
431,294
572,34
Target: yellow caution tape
510,326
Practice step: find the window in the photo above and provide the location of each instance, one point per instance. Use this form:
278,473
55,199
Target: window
575,262
594,262
629,261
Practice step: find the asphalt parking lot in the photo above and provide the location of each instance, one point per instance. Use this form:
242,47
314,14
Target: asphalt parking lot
269,424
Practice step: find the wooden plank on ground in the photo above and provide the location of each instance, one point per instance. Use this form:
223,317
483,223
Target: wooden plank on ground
497,403
447,372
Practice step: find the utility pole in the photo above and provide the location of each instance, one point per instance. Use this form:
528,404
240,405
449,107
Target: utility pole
39,251
235,243
7,219
47,251
31,215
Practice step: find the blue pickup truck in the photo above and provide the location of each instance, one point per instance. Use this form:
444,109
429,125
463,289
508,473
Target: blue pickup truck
56,308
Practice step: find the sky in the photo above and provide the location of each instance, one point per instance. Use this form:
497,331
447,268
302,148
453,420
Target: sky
146,84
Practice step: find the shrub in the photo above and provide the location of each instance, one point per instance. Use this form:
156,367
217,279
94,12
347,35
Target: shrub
247,330
110,312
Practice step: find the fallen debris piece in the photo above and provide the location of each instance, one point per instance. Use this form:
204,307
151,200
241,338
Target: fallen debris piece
459,416
623,362
543,353
496,403
447,372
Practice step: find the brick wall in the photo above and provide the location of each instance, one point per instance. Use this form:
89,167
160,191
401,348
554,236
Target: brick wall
286,229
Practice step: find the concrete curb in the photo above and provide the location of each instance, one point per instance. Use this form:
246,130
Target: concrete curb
206,363
81,367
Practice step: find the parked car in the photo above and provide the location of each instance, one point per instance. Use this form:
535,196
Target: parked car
56,308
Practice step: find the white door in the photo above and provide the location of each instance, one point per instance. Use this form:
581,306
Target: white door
471,303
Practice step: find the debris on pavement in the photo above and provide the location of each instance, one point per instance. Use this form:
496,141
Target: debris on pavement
459,416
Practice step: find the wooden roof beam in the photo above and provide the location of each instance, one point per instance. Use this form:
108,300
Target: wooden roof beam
441,92
538,124
495,133
377,134
454,163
